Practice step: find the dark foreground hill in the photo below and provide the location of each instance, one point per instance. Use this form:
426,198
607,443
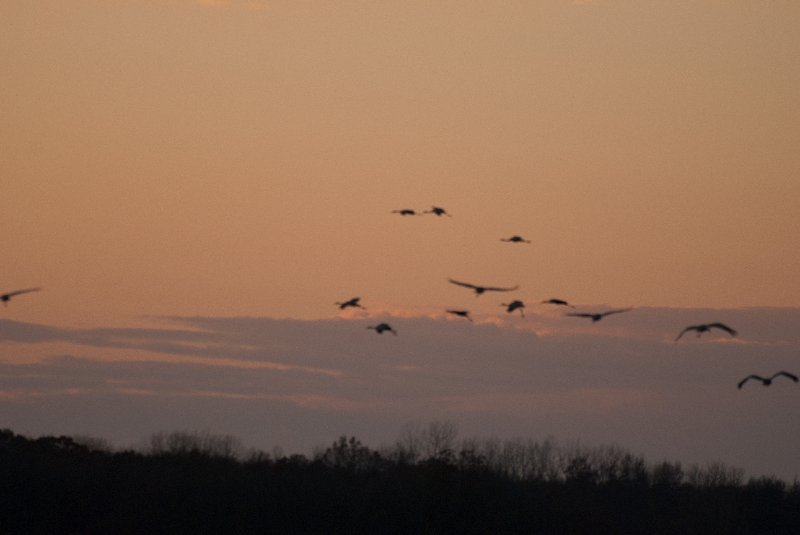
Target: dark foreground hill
59,485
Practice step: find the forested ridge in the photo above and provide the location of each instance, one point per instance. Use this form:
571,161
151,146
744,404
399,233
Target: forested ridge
427,482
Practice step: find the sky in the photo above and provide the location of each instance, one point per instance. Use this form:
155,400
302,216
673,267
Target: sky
194,184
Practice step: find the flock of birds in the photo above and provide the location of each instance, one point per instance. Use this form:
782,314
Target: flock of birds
355,302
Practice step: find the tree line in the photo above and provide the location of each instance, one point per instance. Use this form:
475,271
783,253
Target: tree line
428,481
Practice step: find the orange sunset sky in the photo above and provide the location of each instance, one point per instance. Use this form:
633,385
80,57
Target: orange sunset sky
242,158
234,158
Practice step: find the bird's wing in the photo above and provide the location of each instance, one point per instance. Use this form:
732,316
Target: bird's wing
26,290
617,311
462,313
724,327
558,302
495,289
580,314
743,381
791,376
464,284
686,330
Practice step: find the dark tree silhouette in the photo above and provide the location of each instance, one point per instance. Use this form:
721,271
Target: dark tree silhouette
184,483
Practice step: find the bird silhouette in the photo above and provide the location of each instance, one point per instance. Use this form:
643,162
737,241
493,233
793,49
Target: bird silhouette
481,289
6,297
354,302
559,302
514,305
462,313
705,327
382,327
404,212
515,239
766,381
438,211
597,316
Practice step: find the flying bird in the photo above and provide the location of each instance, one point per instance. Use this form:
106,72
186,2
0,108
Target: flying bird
6,297
382,327
481,289
705,327
597,316
515,239
354,302
514,305
404,212
438,211
462,313
766,381
559,302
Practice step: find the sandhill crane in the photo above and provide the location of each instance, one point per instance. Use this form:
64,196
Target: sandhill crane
515,239
597,316
382,327
481,289
705,327
354,302
405,211
438,211
514,305
6,297
462,313
766,381
555,301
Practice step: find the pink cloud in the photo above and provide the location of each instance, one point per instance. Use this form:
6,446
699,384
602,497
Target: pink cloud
305,380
